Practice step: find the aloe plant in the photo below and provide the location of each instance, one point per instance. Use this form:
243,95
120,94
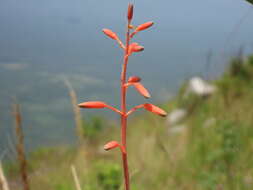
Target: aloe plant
135,81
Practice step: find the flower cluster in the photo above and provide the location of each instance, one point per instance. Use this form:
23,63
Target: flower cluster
135,81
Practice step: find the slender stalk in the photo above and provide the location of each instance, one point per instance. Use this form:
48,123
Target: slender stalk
76,111
20,147
3,182
134,109
76,179
133,80
123,110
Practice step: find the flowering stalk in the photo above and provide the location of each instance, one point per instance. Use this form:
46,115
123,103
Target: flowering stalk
129,49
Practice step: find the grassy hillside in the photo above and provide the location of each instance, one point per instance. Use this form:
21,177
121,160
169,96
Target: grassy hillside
211,148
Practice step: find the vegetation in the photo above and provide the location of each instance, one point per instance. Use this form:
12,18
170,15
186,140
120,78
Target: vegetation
250,1
212,151
210,148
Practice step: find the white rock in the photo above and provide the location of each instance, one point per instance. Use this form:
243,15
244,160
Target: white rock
200,87
209,122
177,129
176,116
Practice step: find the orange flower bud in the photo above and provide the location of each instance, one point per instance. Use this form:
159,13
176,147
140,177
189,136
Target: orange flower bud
110,34
155,109
144,26
92,104
131,26
130,11
135,47
111,145
134,79
141,89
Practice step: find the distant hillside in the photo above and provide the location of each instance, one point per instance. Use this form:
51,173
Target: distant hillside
207,147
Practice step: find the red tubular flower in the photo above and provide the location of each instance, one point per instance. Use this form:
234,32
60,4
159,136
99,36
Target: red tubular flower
98,105
134,79
110,34
135,47
114,144
141,89
141,27
155,109
130,12
144,26
92,104
111,145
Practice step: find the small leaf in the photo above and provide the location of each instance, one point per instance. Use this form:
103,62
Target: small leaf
141,89
110,34
155,109
130,11
92,104
133,79
111,145
144,26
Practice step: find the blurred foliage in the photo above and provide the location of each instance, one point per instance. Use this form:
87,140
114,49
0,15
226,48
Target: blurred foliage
212,151
93,126
108,175
250,1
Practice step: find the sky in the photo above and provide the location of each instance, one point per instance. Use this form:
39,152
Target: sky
42,41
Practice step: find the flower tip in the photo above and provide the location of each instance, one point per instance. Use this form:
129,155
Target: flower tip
147,96
130,11
80,105
134,79
139,48
163,114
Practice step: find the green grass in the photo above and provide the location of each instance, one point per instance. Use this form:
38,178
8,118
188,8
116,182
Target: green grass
204,156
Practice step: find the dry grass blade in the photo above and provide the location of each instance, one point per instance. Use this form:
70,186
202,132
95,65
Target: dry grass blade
11,147
76,110
3,154
77,182
3,182
20,148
